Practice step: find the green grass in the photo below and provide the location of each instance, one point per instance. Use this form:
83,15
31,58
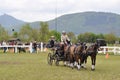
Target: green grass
34,67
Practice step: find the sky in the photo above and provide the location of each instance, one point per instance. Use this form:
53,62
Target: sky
44,10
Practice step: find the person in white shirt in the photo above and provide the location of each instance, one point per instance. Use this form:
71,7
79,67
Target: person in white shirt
64,38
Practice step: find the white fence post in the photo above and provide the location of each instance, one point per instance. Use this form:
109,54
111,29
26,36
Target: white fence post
114,50
15,49
104,50
41,46
30,47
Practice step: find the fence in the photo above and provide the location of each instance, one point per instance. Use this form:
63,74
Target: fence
108,49
103,49
22,46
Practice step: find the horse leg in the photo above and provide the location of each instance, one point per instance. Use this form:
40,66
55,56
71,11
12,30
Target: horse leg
93,58
66,59
72,61
78,63
83,65
85,61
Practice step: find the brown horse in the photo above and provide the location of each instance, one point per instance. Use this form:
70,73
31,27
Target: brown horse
72,56
68,51
92,52
75,54
80,56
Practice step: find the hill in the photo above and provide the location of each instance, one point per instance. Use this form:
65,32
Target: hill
96,22
9,22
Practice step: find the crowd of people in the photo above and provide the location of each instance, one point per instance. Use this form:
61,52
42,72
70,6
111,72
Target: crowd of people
4,46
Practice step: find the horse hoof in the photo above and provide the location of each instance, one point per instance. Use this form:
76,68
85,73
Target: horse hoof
85,68
92,69
82,66
72,67
78,69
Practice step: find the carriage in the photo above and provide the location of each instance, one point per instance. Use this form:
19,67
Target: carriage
72,54
55,56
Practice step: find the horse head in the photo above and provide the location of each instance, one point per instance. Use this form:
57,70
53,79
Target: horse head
96,46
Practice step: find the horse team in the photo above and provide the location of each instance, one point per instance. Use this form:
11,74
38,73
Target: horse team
76,55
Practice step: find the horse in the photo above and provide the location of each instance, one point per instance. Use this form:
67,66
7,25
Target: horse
71,56
75,55
92,52
80,56
68,53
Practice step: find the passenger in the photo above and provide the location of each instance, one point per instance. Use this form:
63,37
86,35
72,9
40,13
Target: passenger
52,42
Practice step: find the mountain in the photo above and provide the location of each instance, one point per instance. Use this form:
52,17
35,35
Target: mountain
96,22
9,22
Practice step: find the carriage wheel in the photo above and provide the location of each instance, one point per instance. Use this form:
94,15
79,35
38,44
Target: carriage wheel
57,60
57,63
49,59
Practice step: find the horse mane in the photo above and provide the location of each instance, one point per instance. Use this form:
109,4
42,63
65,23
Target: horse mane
93,47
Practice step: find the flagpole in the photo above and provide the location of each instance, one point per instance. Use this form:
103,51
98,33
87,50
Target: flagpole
56,16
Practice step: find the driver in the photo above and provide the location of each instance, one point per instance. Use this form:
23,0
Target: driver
64,38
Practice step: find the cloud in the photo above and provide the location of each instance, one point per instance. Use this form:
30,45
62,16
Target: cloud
41,10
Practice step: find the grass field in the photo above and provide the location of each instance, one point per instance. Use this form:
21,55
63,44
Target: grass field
27,66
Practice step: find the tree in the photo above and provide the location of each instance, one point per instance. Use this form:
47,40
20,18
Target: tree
26,32
111,38
87,37
44,31
15,34
35,35
56,34
100,36
3,34
72,36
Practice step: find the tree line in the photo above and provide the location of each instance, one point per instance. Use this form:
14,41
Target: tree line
43,33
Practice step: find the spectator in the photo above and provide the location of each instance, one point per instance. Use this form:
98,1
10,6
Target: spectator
4,48
34,46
